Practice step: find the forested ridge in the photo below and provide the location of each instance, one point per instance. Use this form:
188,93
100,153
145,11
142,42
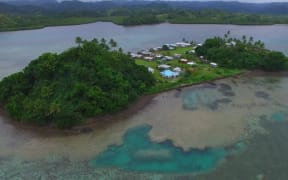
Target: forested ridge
21,16
92,79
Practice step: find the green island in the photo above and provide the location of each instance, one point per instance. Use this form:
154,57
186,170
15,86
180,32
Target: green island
15,18
96,78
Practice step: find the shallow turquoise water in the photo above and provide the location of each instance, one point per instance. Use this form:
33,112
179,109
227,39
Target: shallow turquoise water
279,116
139,153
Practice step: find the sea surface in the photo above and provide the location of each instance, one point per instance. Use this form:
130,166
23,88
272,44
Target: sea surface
231,129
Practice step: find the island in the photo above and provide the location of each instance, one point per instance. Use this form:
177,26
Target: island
96,78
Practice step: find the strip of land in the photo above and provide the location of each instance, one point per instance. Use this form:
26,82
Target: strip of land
17,17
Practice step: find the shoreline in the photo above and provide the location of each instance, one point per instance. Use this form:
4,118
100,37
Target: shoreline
96,21
95,123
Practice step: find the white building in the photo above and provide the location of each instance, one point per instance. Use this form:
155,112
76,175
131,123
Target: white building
177,56
133,55
214,64
183,60
191,63
151,70
164,66
177,69
182,44
148,58
167,58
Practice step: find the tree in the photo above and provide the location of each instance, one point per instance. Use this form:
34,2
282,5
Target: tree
244,39
113,43
78,41
165,47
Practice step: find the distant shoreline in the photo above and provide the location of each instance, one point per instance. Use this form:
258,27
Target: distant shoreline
97,21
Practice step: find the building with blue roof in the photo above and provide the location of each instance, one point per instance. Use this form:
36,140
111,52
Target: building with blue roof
169,74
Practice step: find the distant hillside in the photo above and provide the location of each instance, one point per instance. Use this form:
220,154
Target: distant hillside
258,8
17,16
52,5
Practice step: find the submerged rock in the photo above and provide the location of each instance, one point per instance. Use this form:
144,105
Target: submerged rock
262,94
214,105
224,87
228,93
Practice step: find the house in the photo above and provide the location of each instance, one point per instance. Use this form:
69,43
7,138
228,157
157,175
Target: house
167,58
232,43
157,48
177,56
133,55
146,53
158,56
214,64
172,45
151,70
183,61
149,58
191,63
169,74
164,66
192,51
177,69
182,44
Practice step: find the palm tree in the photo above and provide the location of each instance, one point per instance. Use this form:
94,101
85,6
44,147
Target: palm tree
113,43
78,41
244,39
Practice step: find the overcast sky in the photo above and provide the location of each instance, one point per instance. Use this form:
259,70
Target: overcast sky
253,1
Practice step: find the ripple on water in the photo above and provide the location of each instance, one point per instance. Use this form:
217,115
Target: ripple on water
139,153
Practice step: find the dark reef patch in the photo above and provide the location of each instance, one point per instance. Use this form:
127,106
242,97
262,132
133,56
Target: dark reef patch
262,94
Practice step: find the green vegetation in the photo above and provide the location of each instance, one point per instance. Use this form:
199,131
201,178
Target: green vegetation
131,15
223,17
92,79
244,54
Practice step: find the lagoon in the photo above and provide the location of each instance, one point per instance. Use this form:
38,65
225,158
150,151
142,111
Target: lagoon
228,129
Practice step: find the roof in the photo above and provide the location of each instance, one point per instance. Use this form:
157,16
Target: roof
169,73
164,66
213,64
191,63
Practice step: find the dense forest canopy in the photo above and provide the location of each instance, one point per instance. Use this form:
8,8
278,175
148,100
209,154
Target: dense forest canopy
92,79
242,53
21,16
